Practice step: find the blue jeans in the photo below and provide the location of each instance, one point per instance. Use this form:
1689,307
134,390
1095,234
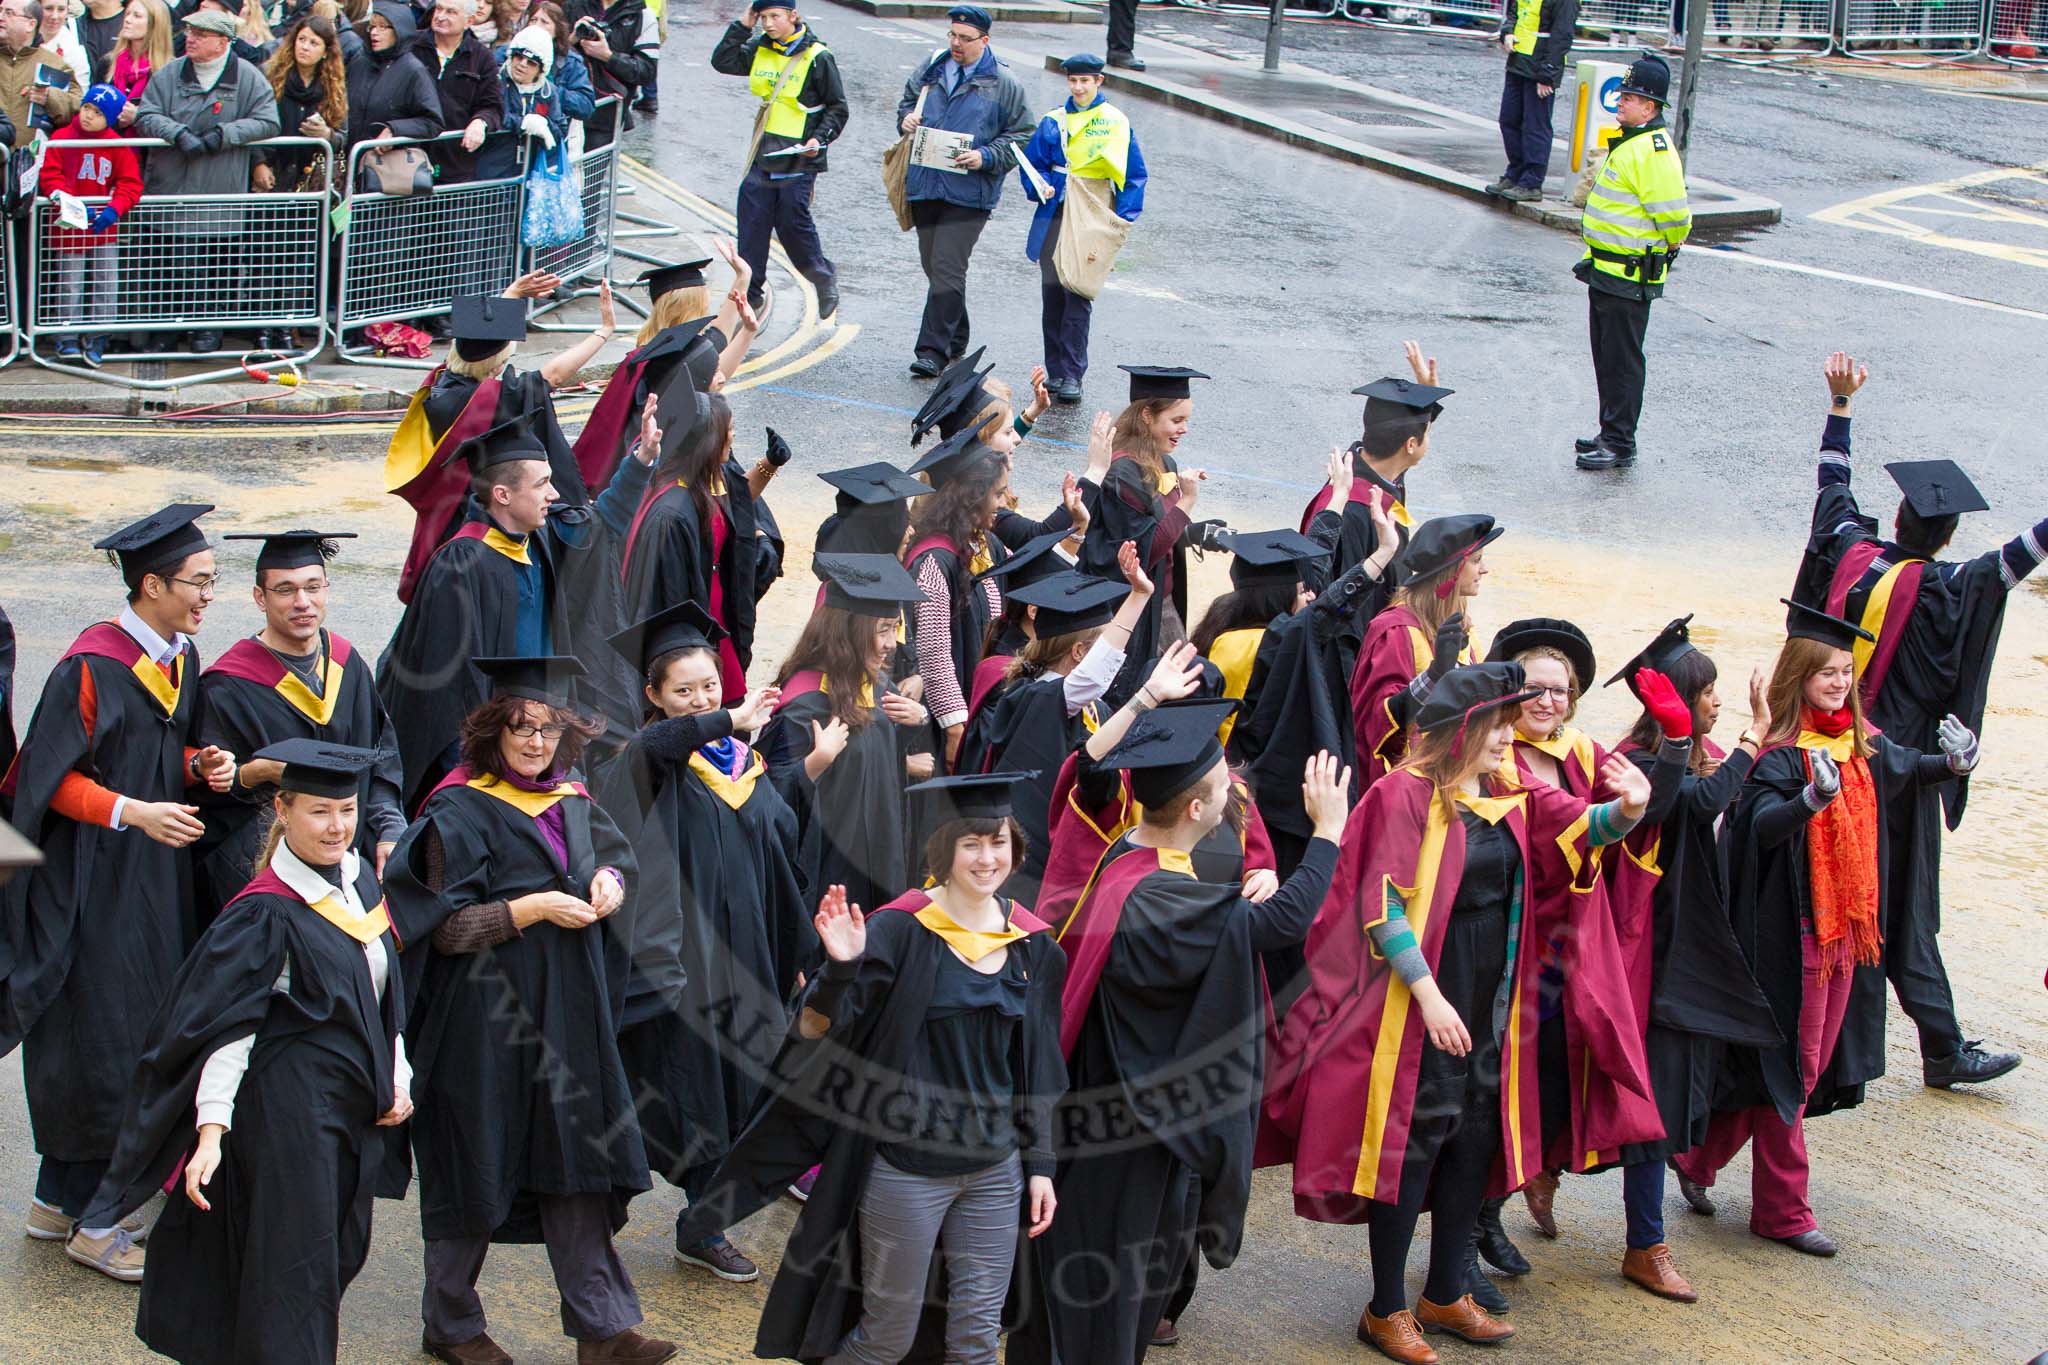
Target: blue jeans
1642,1197
1525,130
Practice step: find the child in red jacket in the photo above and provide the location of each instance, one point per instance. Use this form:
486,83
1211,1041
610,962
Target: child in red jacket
84,265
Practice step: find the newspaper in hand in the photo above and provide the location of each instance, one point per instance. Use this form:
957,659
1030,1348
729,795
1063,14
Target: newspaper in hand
71,211
936,148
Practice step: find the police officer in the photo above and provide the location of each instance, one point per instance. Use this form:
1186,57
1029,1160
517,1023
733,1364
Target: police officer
1087,138
803,108
961,88
1538,37
1635,220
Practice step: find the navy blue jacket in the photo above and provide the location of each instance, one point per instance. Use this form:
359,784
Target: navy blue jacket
989,105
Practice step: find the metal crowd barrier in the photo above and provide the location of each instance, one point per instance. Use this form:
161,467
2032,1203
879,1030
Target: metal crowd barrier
2013,31
1465,14
182,264
8,338
590,256
2017,31
1913,25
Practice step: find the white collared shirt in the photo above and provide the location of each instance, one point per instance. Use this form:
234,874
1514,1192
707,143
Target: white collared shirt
156,648
221,1078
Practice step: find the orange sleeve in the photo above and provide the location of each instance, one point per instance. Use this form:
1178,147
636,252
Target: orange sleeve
78,797
190,780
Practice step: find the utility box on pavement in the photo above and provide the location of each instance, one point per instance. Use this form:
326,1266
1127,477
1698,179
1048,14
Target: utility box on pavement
1594,94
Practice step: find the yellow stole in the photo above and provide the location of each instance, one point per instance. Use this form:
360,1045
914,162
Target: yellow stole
1875,609
1841,748
320,709
867,689
734,791
364,929
971,944
530,804
1233,653
514,550
164,689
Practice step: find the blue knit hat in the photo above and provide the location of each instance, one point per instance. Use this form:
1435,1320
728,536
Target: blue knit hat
109,101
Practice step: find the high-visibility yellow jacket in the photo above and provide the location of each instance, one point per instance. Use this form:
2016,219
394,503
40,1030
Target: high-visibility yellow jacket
1636,214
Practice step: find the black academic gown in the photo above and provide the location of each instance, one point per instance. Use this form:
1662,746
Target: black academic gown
1131,509
260,1278
1767,894
1158,1122
669,560
1702,995
854,821
253,700
969,607
858,1030
466,607
7,740
1023,727
516,1073
91,938
715,935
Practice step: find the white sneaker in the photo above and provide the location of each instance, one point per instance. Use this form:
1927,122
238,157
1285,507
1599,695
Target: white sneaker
115,1255
46,1224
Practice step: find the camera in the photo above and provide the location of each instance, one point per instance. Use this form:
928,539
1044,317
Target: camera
586,28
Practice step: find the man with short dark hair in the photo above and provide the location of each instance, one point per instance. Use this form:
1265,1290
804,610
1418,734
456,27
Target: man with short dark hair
962,88
99,786
1936,624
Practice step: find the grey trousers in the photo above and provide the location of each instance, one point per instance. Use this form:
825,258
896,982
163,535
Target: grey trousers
598,1299
83,282
972,1219
946,234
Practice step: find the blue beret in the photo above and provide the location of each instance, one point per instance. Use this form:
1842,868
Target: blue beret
973,16
1082,64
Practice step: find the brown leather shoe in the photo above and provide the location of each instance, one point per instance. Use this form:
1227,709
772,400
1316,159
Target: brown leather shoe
627,1348
1539,1194
1462,1319
478,1350
1396,1336
1166,1333
1654,1270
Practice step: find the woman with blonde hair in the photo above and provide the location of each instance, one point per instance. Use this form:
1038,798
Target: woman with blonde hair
678,293
1806,892
276,1064
143,47
1407,1072
1423,634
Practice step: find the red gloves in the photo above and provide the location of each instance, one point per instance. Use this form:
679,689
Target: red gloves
1662,701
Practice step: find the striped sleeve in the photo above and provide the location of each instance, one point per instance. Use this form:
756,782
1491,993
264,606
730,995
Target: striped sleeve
935,646
1834,451
1605,824
2023,553
1396,942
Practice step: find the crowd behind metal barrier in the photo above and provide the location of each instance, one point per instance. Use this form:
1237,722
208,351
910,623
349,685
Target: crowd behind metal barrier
312,265
2014,31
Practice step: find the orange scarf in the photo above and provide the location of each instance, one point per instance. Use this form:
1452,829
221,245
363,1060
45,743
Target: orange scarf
1841,851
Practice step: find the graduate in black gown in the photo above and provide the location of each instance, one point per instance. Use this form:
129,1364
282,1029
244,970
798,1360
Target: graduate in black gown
870,512
845,742
1148,499
7,739
920,1074
278,1042
91,938
965,399
294,679
494,589
1049,698
716,933
1399,414
952,546
502,892
1163,1003
1936,623
696,535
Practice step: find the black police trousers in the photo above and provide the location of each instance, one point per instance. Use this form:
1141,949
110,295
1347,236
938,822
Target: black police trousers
1616,326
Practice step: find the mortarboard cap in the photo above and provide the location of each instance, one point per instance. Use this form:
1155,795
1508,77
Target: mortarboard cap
1562,636
1070,600
1263,557
1159,381
1442,542
870,484
292,549
1673,643
971,796
316,768
1170,748
1810,623
956,399
1936,488
543,678
953,458
1472,690
512,439
868,585
679,409
682,626
1034,559
1405,393
483,323
974,16
671,276
160,541
1082,64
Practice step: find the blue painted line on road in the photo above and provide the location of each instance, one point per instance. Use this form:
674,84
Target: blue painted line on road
869,406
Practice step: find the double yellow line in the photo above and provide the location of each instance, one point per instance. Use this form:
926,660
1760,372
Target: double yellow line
795,352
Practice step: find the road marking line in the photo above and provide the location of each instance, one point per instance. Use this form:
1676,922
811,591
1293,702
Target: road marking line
1869,214
1729,253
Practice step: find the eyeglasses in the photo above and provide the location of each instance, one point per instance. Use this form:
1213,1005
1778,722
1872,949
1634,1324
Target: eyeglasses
294,589
523,730
1562,694
204,586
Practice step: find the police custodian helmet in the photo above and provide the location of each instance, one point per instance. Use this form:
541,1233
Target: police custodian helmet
1649,76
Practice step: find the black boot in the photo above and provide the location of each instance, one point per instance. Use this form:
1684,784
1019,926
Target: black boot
1483,1291
1492,1241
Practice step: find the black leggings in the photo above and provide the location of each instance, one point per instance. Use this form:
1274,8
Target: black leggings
1458,1184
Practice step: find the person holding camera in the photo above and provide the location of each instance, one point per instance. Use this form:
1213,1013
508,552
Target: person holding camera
622,50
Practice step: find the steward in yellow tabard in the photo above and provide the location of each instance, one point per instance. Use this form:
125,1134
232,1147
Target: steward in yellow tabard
1537,35
803,108
1085,139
